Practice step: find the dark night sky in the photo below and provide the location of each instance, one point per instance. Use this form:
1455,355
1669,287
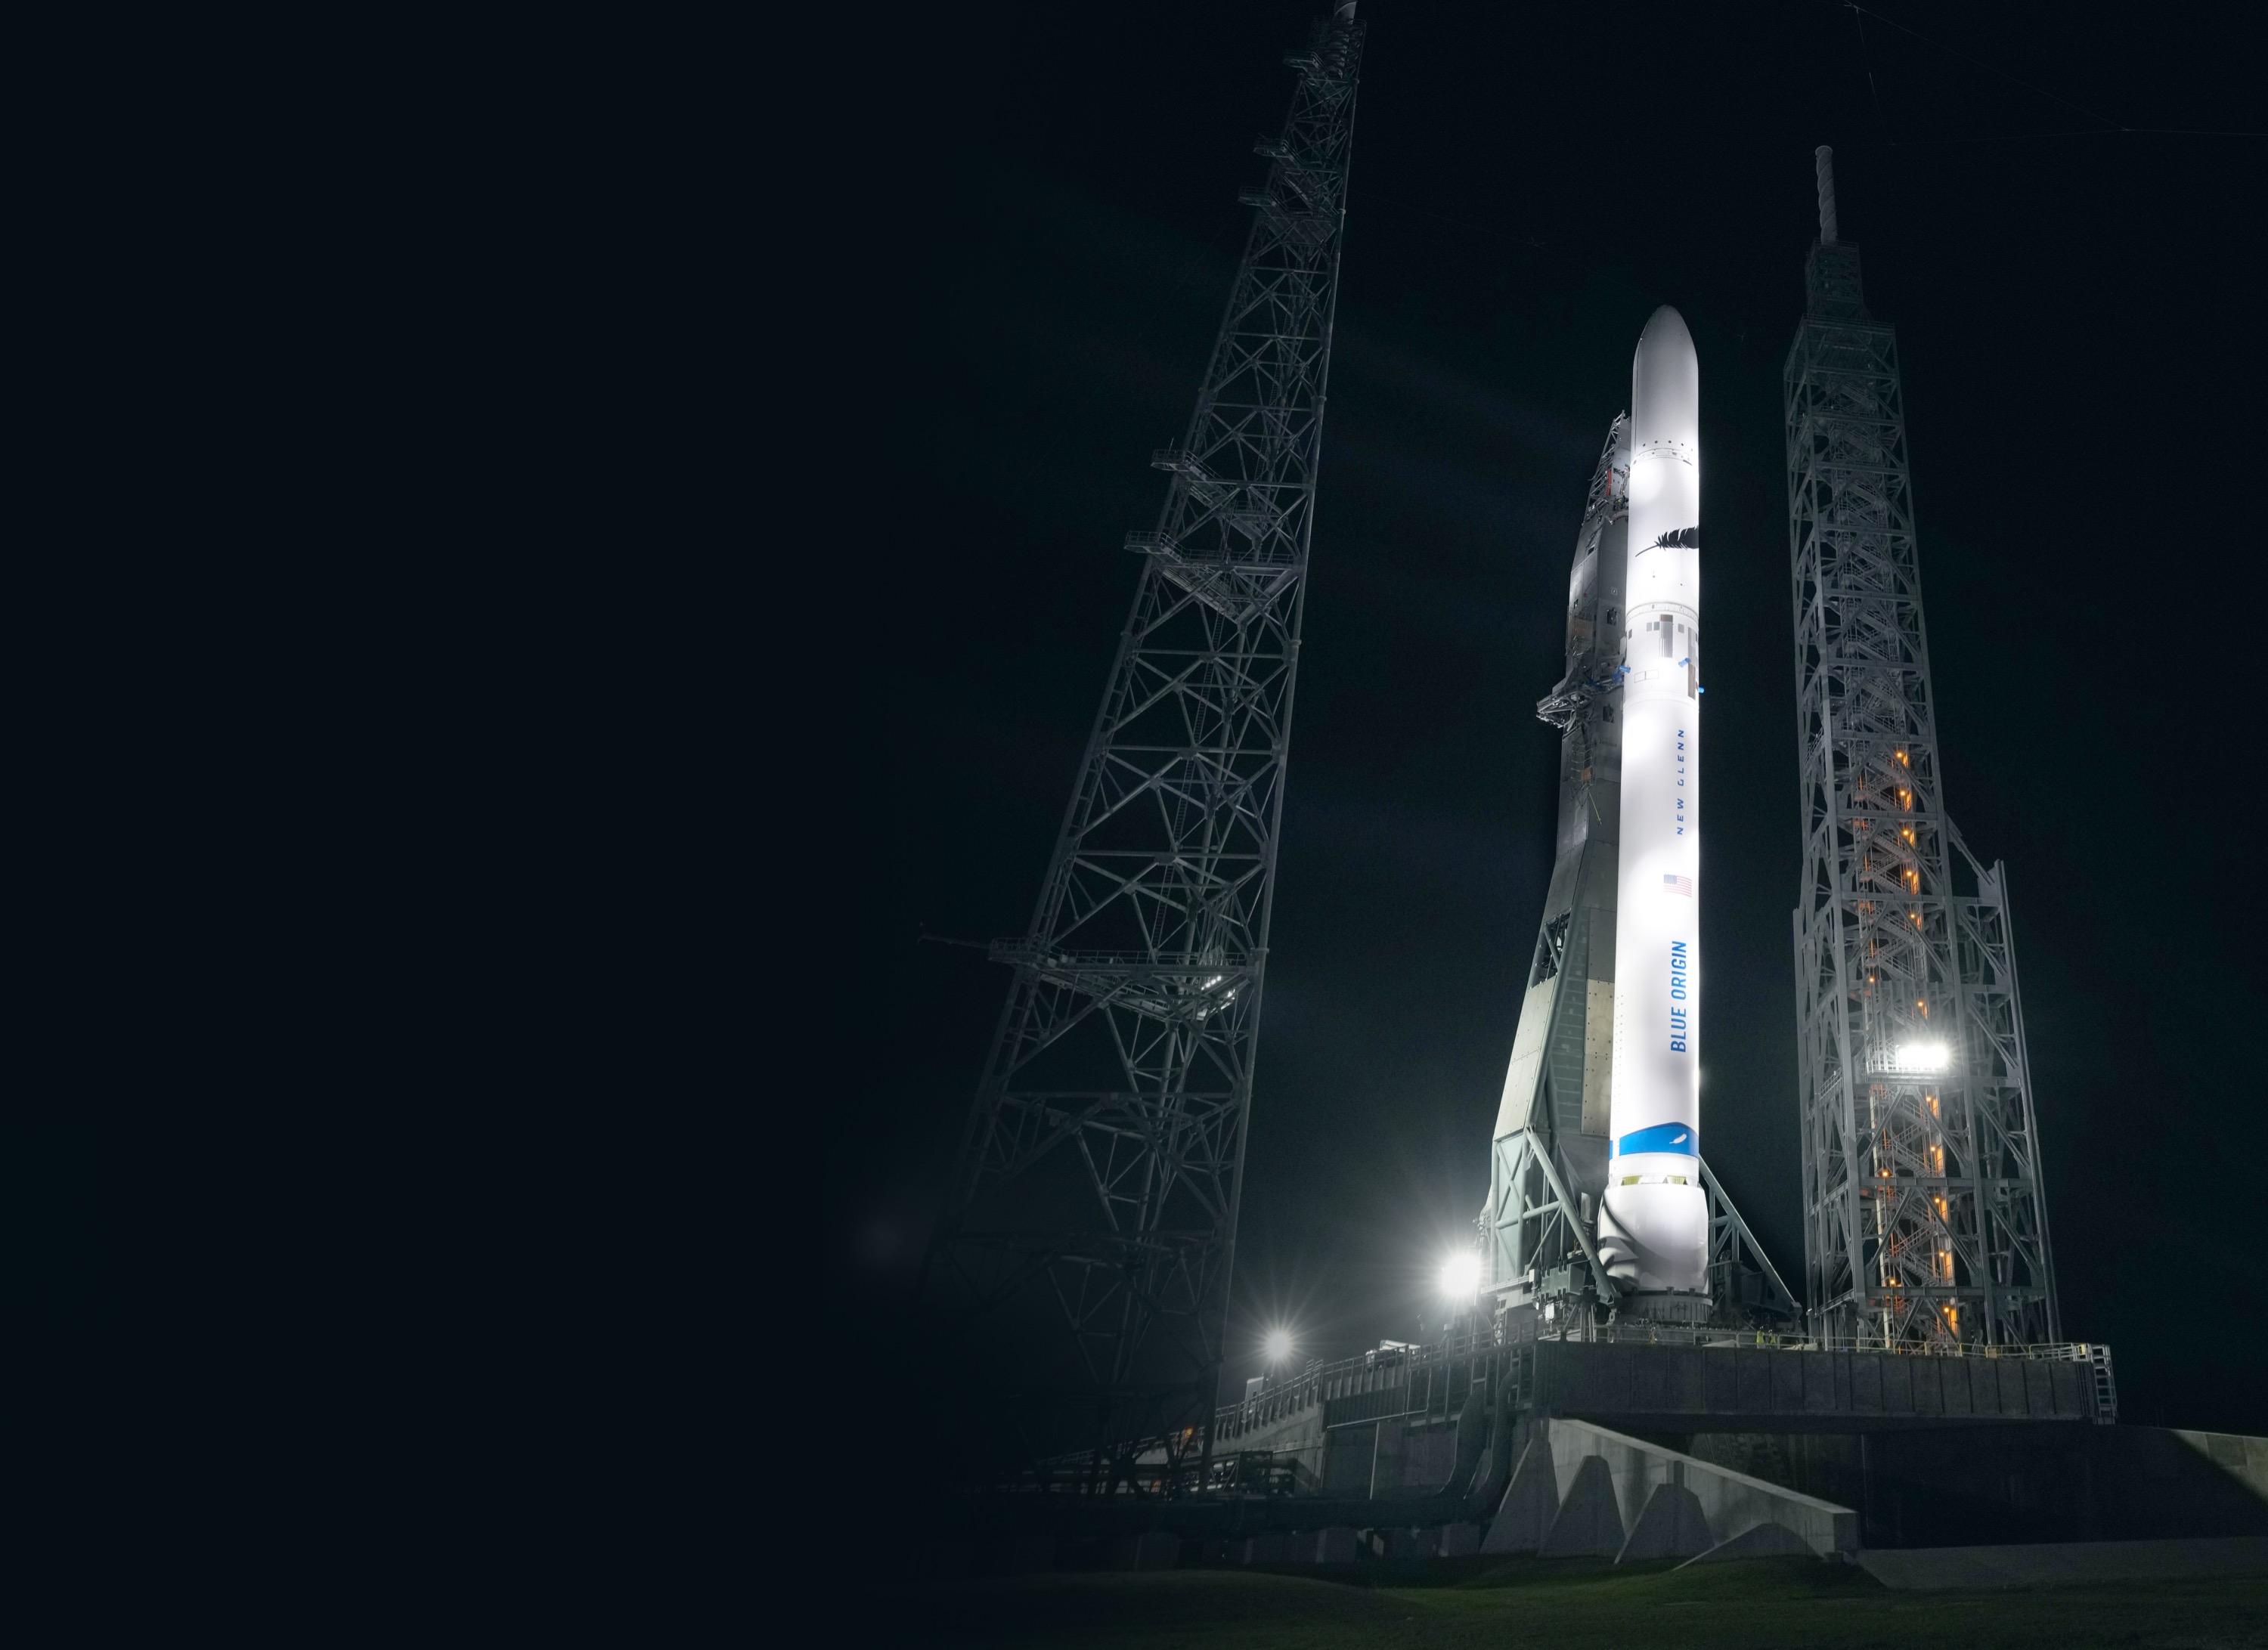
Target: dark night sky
1529,182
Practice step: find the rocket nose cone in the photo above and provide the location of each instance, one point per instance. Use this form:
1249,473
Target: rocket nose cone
1665,326
1665,374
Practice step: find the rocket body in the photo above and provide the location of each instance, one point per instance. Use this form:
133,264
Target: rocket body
1653,1223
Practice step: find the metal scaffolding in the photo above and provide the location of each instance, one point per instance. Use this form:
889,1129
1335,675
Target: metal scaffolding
1104,1155
1925,1220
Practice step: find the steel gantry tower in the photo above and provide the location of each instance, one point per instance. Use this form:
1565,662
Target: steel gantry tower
1925,1219
1101,1164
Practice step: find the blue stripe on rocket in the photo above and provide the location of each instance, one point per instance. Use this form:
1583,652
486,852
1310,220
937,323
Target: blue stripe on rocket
1663,1136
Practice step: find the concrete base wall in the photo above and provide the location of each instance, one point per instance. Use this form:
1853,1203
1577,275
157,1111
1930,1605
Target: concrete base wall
1390,1459
1671,1525
1590,1521
1939,1486
1273,1546
1428,1460
1385,1459
1349,1453
1531,1500
1626,1498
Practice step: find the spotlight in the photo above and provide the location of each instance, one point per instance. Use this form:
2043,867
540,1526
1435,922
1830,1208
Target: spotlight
1461,1275
1921,1057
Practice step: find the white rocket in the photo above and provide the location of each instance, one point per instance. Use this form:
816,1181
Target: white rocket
1654,1220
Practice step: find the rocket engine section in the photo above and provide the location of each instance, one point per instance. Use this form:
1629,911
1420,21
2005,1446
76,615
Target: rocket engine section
1653,1221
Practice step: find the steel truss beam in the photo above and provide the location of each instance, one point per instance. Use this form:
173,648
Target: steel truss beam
1925,1218
1103,1158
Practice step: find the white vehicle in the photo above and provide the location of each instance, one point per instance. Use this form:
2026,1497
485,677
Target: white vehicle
1653,1221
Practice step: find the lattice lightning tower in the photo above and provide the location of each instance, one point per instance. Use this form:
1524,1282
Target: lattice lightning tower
1104,1155
1925,1219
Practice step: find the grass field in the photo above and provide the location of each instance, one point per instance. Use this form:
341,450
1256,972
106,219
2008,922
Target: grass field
1563,1604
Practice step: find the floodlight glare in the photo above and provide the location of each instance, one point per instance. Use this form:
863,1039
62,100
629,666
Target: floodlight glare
1921,1057
1279,1346
1461,1275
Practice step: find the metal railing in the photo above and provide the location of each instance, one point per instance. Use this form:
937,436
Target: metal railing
1381,1372
1680,1335
1365,1373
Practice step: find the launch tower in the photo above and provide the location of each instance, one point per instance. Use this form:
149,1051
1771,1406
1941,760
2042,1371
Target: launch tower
1924,1217
1099,1176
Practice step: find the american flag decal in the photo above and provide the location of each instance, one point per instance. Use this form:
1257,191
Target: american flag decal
1678,885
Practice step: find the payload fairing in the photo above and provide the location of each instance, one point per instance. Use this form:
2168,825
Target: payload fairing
1653,1220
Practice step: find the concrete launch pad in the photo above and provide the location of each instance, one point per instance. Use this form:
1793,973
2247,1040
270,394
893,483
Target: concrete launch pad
1911,1449
1637,1451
